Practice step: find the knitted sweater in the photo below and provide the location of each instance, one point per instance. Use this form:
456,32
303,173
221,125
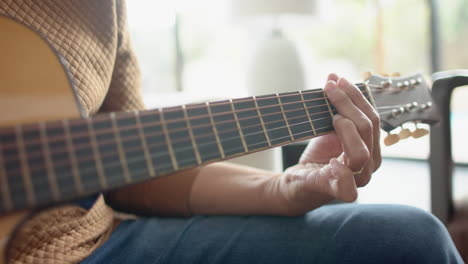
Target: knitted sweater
92,37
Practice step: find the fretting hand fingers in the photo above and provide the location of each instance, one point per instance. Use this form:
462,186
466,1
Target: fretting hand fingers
328,166
362,103
354,147
356,115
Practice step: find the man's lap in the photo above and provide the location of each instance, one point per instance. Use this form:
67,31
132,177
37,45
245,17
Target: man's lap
341,233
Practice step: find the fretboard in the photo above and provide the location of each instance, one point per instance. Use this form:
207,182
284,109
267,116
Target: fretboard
62,160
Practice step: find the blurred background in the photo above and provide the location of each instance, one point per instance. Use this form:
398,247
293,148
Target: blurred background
210,49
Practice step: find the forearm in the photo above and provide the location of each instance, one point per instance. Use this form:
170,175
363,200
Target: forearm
226,188
164,196
218,188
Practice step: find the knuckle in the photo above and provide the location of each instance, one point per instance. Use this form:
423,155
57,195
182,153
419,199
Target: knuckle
362,156
355,94
377,162
343,121
374,118
363,181
364,124
364,178
340,99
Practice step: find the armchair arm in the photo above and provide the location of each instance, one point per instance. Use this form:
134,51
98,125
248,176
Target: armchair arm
441,163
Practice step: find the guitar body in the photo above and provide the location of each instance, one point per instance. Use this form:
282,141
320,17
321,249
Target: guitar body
34,87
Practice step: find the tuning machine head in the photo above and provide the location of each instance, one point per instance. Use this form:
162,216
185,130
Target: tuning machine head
404,133
391,139
419,132
366,75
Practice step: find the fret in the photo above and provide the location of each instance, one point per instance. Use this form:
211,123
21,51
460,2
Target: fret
179,136
157,144
251,124
274,119
122,158
226,127
11,166
331,108
244,144
60,159
48,162
37,165
96,154
73,159
169,143
307,113
141,133
25,166
107,146
132,145
261,121
319,110
190,131
4,185
296,115
364,88
215,131
86,163
203,132
284,116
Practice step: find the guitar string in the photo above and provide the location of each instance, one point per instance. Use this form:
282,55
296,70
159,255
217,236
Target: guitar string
78,135
178,150
275,96
228,103
126,128
42,181
185,129
102,143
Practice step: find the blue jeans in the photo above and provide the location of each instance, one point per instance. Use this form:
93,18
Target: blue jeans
343,233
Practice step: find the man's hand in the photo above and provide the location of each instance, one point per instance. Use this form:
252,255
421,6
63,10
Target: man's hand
334,165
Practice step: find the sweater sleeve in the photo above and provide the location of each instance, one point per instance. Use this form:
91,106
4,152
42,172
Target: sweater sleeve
124,92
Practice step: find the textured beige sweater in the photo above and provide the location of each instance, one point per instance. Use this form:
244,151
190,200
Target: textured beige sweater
92,37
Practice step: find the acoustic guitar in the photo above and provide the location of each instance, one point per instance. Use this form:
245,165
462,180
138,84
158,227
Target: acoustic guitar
50,152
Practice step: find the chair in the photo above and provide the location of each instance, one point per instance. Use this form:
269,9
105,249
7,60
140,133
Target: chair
441,163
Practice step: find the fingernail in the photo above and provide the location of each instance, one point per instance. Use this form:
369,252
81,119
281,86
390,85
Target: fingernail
343,82
337,116
330,87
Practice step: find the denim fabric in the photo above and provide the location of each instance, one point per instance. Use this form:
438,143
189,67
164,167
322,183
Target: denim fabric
343,233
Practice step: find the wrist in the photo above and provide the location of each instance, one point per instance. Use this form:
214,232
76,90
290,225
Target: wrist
294,194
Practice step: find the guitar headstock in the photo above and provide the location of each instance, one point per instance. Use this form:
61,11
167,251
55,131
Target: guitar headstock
400,100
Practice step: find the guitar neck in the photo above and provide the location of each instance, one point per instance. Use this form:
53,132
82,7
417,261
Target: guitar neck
61,160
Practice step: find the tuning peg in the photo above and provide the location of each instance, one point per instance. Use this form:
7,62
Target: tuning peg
419,132
404,133
396,74
366,75
391,139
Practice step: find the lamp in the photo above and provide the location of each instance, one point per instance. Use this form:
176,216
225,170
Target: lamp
275,65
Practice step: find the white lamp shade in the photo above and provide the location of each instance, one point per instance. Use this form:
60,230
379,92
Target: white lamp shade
251,8
275,67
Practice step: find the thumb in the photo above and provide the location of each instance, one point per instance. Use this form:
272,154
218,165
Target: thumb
342,182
